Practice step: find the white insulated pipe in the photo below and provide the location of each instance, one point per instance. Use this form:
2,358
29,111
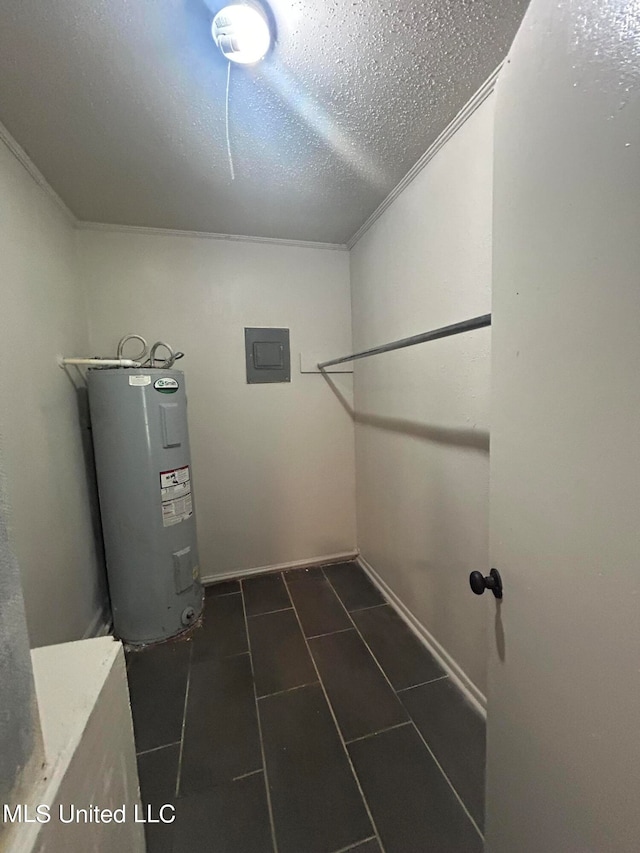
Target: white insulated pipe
100,362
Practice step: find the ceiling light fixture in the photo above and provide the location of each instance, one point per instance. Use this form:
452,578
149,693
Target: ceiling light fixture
242,32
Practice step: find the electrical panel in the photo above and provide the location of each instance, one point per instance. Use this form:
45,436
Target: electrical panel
267,355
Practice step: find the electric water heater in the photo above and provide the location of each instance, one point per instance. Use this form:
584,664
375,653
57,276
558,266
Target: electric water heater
141,445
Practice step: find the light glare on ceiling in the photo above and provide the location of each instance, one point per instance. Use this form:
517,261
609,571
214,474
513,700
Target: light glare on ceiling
242,33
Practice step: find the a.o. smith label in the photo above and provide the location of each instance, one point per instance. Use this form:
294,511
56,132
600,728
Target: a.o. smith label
166,385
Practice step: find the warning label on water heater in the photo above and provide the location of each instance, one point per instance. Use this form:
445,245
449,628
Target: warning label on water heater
175,488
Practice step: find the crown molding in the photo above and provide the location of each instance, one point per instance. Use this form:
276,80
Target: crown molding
465,113
207,235
36,175
478,98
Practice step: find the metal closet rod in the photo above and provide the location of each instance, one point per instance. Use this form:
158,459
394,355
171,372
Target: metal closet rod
433,335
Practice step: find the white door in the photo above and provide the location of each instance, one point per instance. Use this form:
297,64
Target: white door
563,772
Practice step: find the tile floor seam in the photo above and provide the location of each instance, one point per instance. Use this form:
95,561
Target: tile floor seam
184,722
335,719
421,684
370,650
408,722
354,846
342,604
370,607
329,633
274,840
222,594
223,657
246,775
156,748
378,664
399,698
286,690
267,612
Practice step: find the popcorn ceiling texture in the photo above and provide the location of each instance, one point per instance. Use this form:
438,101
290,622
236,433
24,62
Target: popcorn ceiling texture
121,106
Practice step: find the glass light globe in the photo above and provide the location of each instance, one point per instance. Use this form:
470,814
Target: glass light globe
242,33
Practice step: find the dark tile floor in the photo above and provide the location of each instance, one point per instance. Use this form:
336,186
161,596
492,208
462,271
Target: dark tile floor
305,717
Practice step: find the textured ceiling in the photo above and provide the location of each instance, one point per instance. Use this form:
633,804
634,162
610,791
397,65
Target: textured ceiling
121,105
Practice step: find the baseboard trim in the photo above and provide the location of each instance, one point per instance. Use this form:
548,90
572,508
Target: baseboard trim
100,626
342,556
454,670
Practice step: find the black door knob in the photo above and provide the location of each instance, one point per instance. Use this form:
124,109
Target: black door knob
493,581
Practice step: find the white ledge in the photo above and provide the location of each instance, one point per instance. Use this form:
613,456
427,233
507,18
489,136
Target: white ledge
90,760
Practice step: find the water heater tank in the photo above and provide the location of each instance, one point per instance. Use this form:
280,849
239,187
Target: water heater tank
141,445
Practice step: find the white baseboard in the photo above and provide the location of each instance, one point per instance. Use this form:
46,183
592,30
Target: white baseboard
281,567
454,670
100,625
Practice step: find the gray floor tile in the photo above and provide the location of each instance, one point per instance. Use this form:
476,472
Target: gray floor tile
317,807
221,738
399,652
230,818
300,574
455,733
157,684
264,594
318,607
280,657
159,837
158,772
362,699
370,846
317,804
353,586
223,632
222,588
412,805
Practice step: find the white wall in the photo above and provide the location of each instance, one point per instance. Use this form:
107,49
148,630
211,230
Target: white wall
20,734
43,314
273,464
422,433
